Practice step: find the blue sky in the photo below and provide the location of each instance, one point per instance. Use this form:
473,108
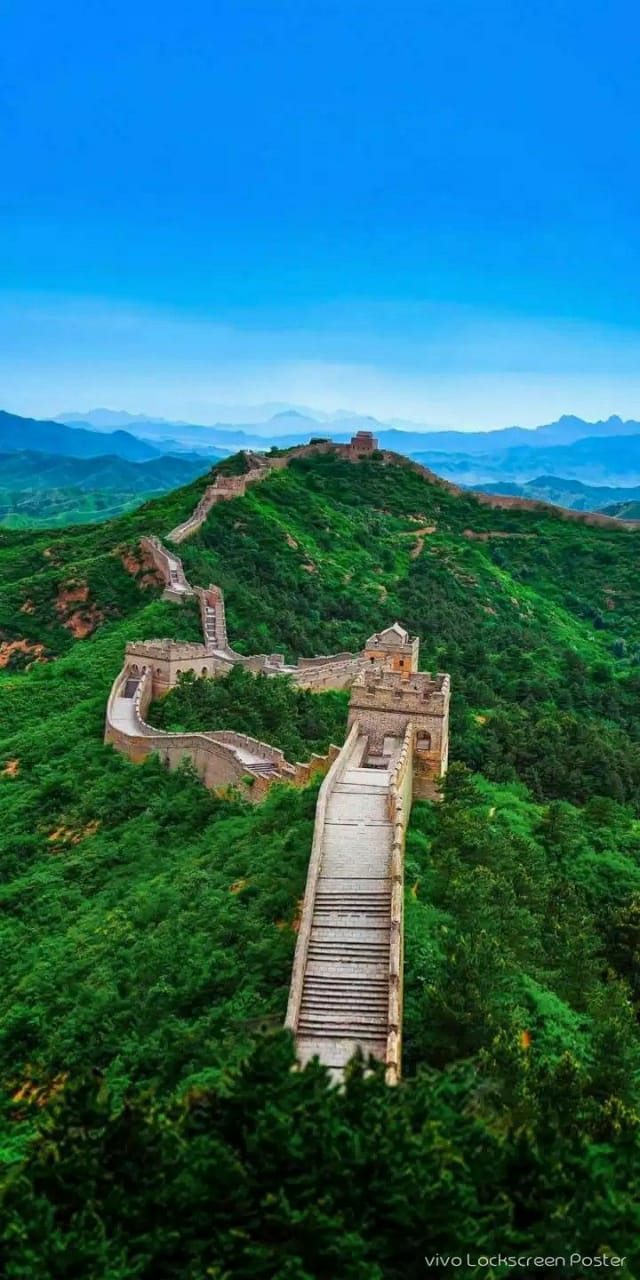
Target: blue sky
425,210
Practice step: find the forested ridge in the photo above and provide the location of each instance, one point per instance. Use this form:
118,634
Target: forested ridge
152,1126
38,490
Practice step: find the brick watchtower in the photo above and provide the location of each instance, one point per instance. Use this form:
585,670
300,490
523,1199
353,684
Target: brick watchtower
383,702
394,648
362,442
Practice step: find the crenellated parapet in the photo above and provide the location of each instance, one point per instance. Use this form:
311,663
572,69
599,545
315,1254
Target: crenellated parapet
385,701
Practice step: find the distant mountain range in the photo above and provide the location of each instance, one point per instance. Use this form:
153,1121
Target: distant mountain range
286,427
603,452
606,460
75,442
234,415
19,434
571,493
576,459
294,424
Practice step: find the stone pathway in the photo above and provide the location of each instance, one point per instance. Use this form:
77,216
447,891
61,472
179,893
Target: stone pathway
345,992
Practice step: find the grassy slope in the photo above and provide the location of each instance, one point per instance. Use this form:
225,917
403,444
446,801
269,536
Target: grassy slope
149,927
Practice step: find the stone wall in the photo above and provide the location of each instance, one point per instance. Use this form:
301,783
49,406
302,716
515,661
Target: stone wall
217,757
215,763
271,755
223,489
329,674
399,802
310,663
170,566
338,768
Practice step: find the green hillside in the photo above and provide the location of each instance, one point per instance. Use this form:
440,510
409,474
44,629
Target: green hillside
151,1123
629,510
41,491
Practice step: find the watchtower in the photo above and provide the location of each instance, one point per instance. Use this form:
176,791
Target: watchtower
394,648
383,702
362,442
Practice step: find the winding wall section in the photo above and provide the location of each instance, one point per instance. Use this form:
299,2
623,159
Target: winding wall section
346,986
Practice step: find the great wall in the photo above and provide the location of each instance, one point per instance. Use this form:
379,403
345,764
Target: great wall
346,984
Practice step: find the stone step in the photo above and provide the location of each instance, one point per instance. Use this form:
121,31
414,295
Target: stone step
329,999
354,789
357,836
356,810
364,898
346,953
347,1021
343,911
368,777
362,894
373,1011
374,934
353,884
356,1030
375,945
373,995
337,966
352,918
345,864
337,1051
324,960
346,982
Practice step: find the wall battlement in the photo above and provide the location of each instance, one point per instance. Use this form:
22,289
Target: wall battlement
385,702
414,689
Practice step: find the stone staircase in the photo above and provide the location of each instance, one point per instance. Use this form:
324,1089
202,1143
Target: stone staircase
266,767
210,627
345,992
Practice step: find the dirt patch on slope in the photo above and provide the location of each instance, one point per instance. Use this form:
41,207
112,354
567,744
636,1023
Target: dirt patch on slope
141,565
9,647
65,835
81,622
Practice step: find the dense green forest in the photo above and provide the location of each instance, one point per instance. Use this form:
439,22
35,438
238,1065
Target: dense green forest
152,1126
